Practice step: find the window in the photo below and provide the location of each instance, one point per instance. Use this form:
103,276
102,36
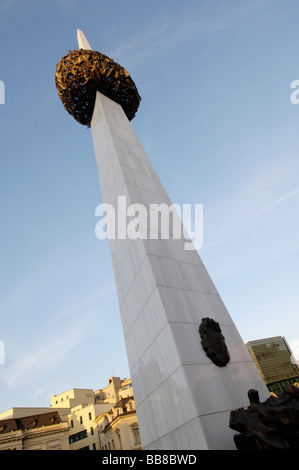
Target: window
78,436
91,431
72,423
89,415
136,435
81,421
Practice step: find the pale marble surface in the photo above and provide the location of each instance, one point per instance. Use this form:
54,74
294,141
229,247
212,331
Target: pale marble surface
183,400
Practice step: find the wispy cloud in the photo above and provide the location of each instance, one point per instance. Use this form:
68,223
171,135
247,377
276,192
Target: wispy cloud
249,220
179,26
90,299
163,34
45,356
52,346
278,201
256,222
268,191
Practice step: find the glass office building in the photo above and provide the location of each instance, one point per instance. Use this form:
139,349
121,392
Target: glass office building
275,362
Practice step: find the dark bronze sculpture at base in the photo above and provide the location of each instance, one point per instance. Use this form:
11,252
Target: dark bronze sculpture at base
271,425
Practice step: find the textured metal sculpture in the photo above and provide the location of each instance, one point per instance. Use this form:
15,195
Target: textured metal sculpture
271,425
81,73
213,342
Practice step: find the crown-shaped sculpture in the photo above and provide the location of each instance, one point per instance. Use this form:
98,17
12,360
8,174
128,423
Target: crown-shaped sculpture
81,73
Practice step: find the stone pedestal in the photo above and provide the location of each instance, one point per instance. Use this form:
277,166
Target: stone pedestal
183,399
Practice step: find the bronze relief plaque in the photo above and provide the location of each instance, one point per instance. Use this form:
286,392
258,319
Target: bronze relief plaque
213,342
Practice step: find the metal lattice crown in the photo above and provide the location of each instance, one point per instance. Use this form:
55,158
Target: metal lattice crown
81,73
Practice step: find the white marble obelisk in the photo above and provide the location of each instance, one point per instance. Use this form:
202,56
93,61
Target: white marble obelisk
183,399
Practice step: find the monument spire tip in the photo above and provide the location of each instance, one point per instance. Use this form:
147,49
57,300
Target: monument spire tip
82,41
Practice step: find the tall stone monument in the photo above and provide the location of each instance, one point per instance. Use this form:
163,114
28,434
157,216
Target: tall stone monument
188,363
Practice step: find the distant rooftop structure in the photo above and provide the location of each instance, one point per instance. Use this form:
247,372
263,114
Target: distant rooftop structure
73,397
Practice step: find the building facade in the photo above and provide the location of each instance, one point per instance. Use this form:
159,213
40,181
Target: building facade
72,421
118,428
82,428
87,406
275,362
72,398
117,388
44,431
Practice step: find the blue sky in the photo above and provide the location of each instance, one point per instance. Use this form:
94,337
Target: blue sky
218,124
